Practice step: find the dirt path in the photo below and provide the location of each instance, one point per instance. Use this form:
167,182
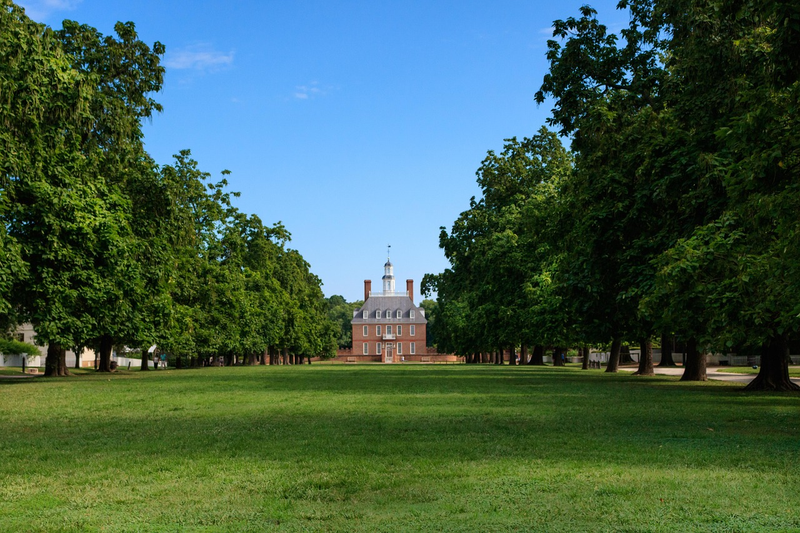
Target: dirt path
712,372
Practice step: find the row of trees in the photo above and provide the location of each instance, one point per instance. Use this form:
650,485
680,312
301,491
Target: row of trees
99,245
675,212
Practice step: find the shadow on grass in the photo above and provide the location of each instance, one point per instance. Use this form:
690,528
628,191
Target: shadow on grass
387,414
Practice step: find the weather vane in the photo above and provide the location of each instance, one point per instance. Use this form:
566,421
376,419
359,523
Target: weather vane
388,250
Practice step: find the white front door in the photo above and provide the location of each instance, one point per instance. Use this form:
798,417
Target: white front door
389,352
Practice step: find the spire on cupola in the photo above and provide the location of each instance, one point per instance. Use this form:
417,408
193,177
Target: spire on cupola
388,276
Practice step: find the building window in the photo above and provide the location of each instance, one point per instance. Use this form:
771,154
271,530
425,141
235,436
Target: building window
366,331
21,337
365,349
378,348
399,348
413,348
399,314
411,314
399,330
413,330
378,330
365,314
388,330
378,313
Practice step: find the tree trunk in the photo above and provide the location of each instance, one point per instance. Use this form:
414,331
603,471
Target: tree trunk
106,345
537,357
145,365
667,345
774,372
523,354
264,357
284,356
557,360
613,358
78,350
178,362
695,363
625,356
512,360
585,352
55,364
646,358
500,357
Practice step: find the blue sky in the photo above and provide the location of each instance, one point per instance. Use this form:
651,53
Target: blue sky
356,123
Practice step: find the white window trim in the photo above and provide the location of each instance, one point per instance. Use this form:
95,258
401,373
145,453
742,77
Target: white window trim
366,331
365,349
399,329
411,314
399,314
399,348
388,329
378,330
365,314
413,348
378,348
413,331
378,313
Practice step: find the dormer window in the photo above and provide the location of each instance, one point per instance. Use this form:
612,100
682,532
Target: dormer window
365,314
399,314
378,313
411,314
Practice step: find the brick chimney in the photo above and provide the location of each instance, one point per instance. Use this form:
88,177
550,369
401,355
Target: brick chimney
410,289
367,288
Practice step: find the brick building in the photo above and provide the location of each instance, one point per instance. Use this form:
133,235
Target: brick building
389,327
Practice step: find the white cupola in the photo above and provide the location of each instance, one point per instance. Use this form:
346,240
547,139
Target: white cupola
388,277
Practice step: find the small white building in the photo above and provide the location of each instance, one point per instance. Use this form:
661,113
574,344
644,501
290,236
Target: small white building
26,333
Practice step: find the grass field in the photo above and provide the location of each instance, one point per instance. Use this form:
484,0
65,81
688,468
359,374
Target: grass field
395,448
794,371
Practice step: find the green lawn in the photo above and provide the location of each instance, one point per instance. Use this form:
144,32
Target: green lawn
794,371
395,448
13,370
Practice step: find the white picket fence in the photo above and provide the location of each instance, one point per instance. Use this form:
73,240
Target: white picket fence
87,360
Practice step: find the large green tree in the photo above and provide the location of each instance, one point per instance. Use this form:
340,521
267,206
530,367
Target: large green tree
734,87
52,207
496,250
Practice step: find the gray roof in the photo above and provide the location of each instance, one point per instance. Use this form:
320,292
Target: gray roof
389,303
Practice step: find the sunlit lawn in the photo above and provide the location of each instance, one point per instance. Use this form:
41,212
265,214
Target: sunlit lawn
794,371
395,448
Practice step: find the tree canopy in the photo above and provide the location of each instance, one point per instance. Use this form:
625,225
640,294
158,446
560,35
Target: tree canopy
677,214
99,245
